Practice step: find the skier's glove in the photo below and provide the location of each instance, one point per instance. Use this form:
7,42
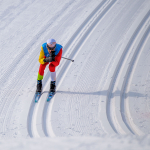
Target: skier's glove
48,59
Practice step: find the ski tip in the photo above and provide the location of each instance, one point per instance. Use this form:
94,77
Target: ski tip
37,96
51,94
48,100
36,101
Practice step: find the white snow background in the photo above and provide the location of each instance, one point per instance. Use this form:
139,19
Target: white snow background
103,97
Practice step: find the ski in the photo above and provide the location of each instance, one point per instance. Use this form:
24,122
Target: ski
50,96
37,96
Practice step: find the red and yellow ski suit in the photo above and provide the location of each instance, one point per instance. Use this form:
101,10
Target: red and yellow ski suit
53,64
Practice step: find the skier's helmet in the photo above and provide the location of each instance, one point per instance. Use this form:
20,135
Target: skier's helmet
51,42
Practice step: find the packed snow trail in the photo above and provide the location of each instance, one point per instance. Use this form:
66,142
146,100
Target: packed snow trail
104,91
76,35
119,73
67,110
83,31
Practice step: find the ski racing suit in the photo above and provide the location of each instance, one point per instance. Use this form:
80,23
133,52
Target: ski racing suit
52,65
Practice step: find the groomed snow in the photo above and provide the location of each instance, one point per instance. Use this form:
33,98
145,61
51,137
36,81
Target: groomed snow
115,142
103,97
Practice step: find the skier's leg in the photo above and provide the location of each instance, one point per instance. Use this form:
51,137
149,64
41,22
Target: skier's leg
41,71
53,78
40,77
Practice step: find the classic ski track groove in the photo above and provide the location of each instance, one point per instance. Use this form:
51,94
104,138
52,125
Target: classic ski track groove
111,115
32,115
33,132
33,107
8,104
127,118
47,109
32,126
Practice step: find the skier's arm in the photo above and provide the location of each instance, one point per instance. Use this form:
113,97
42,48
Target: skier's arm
41,56
57,58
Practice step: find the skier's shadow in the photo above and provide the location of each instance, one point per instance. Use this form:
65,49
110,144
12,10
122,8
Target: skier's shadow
104,93
45,92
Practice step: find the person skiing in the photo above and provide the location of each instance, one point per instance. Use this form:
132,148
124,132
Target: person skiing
50,54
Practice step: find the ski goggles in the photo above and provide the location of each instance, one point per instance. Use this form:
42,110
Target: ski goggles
51,48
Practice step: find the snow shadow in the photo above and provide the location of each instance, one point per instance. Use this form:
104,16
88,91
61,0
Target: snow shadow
104,93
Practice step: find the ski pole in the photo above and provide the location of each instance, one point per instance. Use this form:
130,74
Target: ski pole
68,59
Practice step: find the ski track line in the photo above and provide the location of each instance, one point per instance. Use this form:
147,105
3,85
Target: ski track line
32,115
122,126
7,104
127,82
66,47
48,107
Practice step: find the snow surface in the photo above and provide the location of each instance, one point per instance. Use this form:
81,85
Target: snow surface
103,97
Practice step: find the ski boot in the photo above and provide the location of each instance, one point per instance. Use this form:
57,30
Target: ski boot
39,86
52,86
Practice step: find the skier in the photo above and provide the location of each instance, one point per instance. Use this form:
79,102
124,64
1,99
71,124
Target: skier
50,54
